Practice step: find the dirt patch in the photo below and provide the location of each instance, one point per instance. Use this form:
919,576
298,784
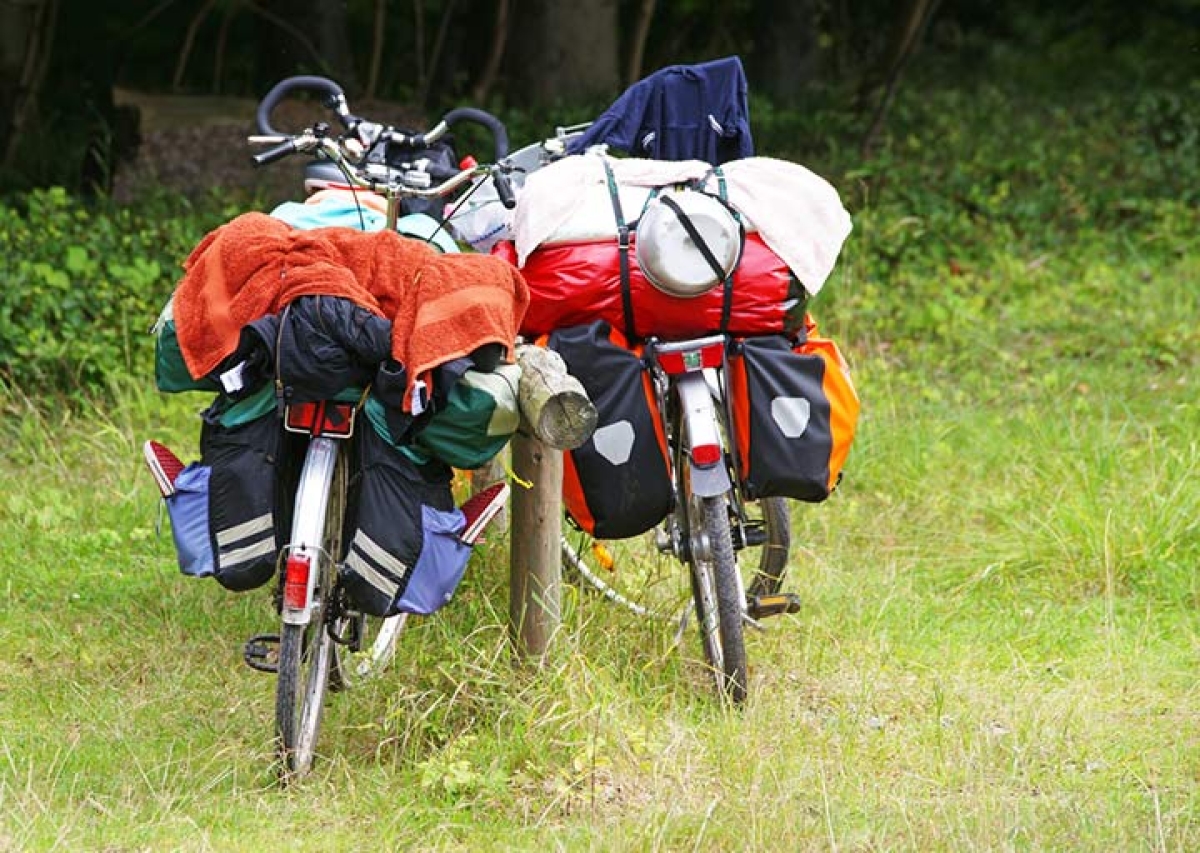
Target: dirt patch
198,145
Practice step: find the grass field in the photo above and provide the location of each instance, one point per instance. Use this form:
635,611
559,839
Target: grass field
999,647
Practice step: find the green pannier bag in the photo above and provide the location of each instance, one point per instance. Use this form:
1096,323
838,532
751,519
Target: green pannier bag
170,371
475,423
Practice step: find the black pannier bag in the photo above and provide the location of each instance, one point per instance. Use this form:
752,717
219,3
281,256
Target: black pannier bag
794,416
618,483
249,509
401,531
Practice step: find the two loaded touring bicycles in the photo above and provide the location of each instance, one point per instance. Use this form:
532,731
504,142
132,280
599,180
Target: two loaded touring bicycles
712,523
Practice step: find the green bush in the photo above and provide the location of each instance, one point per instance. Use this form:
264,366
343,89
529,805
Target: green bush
83,284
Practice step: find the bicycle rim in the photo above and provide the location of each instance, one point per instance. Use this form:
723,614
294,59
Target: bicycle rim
305,653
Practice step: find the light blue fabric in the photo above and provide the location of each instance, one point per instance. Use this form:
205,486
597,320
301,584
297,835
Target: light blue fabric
188,509
329,213
440,567
343,213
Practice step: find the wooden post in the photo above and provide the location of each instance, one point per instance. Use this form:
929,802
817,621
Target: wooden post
556,415
535,564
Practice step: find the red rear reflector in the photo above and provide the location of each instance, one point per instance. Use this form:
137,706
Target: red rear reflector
295,581
302,416
332,419
685,361
706,454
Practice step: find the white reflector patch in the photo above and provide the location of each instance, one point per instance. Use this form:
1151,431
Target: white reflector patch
791,415
614,442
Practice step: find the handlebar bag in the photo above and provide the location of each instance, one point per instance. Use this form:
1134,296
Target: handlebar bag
403,552
617,484
795,411
248,497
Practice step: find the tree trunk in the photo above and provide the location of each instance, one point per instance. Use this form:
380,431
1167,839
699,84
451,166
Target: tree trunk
377,41
786,49
879,86
637,45
487,77
26,39
564,52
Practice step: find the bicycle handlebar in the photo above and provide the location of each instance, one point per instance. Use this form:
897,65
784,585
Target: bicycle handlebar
335,99
351,151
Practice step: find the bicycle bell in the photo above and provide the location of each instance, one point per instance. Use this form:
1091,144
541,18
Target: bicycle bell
666,252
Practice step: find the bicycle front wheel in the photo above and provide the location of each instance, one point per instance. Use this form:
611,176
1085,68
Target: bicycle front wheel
369,645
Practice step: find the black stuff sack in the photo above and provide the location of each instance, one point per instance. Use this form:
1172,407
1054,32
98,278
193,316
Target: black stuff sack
247,517
618,483
403,553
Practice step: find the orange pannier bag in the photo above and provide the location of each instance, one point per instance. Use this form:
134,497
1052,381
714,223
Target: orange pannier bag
795,412
617,484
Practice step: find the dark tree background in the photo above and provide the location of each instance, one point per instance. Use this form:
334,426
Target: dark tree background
60,59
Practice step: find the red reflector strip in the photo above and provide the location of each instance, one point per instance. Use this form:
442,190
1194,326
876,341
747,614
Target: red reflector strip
338,420
335,419
706,454
712,355
685,361
302,415
295,581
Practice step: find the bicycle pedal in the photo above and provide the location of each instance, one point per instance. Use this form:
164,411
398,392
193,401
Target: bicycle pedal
762,606
261,652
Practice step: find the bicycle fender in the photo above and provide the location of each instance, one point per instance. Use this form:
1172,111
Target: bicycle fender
710,481
702,429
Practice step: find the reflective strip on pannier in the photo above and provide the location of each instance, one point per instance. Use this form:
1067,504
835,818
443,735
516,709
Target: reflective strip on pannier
248,498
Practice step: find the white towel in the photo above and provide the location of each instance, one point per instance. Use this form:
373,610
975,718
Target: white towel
797,213
553,194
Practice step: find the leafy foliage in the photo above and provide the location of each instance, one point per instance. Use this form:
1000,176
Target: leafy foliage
83,285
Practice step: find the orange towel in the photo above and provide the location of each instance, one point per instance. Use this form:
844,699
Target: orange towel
255,264
457,304
441,306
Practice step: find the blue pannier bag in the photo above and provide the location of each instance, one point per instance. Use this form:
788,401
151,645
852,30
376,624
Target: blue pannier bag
402,549
441,566
188,510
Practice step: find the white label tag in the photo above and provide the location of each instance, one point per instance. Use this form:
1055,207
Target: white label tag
231,379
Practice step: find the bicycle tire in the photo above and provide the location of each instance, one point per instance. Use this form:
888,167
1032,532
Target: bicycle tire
306,652
717,594
772,565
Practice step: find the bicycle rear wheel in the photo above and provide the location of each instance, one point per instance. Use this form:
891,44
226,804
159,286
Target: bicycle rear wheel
307,652
717,592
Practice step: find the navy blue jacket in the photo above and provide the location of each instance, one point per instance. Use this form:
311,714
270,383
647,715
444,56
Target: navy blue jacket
681,112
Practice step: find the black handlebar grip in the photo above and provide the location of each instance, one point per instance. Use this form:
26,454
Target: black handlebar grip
272,154
322,85
486,119
504,190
